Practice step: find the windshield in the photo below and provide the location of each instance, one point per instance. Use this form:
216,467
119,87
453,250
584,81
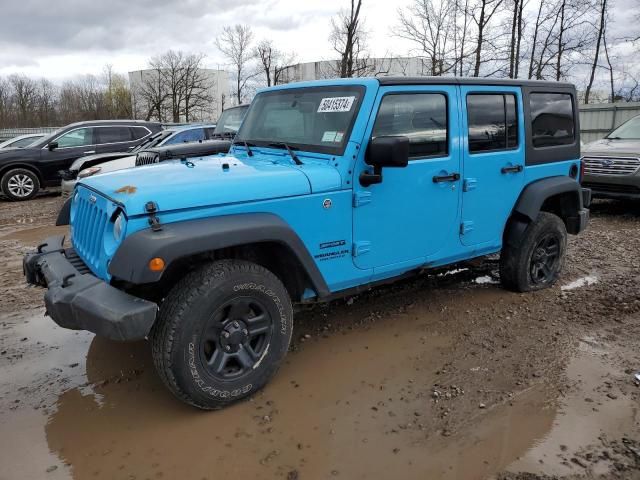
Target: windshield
153,140
630,130
316,119
230,120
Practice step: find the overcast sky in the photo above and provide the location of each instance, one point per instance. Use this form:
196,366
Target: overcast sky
59,39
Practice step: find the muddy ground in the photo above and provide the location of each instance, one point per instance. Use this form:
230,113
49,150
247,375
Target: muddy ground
446,376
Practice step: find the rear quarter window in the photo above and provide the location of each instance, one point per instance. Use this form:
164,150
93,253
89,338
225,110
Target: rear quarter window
552,121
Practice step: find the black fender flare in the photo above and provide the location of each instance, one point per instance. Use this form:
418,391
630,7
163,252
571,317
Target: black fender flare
191,237
532,198
64,215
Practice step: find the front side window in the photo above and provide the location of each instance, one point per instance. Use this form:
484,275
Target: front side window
422,117
113,134
76,138
492,122
186,136
315,119
552,119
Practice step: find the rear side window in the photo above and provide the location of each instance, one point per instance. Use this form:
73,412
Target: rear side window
113,134
551,119
139,132
492,122
422,117
186,136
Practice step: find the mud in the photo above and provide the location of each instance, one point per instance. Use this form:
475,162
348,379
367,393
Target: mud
446,376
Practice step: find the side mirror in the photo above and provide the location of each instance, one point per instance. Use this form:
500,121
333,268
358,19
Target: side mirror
52,146
384,151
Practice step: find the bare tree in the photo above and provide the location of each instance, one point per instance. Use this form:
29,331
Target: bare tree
170,67
273,62
431,27
197,88
594,65
25,97
516,38
235,44
348,39
487,9
46,102
151,93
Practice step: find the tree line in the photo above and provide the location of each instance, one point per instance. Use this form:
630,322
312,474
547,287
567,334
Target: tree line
571,40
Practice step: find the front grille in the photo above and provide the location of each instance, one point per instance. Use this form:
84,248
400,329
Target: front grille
611,188
601,165
76,261
147,158
89,223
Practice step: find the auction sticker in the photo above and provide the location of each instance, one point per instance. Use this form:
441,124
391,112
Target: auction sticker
336,104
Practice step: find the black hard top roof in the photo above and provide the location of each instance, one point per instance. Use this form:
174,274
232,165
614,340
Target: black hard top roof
470,81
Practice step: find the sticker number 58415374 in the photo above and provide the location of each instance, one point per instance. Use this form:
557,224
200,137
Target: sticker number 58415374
336,104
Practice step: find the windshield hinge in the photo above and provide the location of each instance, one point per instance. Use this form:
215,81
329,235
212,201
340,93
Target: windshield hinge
151,208
361,198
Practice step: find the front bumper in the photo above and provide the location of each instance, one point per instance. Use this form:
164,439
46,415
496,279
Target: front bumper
615,187
81,301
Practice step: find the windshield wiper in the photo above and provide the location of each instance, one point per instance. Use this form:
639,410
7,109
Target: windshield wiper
246,145
294,157
615,138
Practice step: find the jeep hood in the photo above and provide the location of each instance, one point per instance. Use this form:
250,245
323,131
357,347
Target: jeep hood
625,148
209,181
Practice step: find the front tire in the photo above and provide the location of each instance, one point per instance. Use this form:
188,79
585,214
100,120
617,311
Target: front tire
222,333
20,184
537,261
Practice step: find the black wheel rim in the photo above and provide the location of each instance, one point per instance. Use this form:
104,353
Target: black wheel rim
235,338
545,259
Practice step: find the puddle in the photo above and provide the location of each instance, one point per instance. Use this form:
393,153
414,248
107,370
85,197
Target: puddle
580,282
590,412
33,236
345,406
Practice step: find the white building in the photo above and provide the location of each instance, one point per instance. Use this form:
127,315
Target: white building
216,91
372,67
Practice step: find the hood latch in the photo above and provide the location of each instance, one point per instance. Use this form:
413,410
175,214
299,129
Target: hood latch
151,208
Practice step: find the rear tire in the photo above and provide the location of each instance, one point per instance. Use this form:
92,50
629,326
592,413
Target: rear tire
537,261
222,333
20,184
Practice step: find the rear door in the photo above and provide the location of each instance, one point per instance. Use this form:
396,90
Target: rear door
412,213
493,161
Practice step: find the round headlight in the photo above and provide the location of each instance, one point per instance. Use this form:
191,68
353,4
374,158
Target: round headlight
118,227
87,172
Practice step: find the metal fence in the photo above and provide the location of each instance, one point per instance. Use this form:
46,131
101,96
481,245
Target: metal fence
7,133
598,119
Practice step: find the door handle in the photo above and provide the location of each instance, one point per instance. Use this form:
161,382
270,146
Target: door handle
454,177
514,169
89,152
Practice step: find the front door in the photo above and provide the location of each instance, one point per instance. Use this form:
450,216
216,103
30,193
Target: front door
413,212
71,145
493,161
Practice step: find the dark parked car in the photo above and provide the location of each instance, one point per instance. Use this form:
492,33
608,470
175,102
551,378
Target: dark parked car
24,171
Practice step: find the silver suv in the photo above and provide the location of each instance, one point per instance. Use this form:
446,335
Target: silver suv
612,165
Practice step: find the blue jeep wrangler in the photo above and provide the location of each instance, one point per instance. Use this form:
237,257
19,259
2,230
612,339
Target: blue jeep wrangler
329,188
